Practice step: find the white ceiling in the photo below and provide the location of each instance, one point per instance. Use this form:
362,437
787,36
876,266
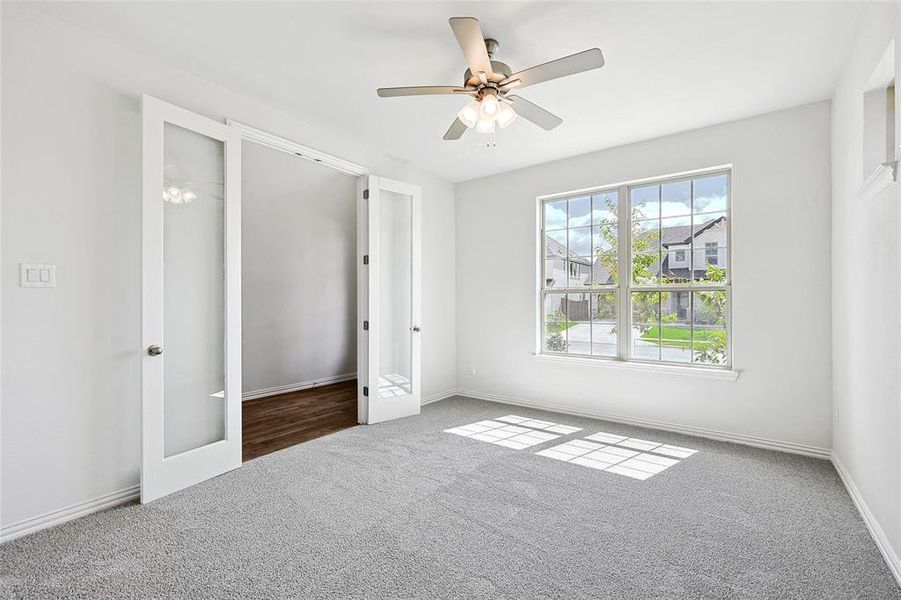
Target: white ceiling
670,66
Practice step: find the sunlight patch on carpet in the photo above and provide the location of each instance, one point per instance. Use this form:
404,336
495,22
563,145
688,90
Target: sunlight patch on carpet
513,431
630,457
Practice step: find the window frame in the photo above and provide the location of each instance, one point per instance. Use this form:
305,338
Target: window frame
624,287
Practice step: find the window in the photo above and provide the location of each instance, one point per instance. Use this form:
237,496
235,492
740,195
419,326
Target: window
878,128
579,312
669,239
879,115
711,252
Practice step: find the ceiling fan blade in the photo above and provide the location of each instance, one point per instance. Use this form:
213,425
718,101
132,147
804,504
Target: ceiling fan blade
422,90
534,113
509,85
472,42
568,65
456,130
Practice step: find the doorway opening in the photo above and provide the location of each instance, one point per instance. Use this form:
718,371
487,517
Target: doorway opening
299,299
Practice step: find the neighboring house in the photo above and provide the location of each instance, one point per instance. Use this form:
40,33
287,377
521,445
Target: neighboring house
709,248
685,257
564,268
562,265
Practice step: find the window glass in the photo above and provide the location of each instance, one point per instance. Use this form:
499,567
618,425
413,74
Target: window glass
580,258
675,198
603,324
580,212
555,215
672,302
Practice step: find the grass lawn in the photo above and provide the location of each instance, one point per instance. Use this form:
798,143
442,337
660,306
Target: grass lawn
677,336
562,326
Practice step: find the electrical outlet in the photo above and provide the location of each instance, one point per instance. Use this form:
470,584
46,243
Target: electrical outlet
472,369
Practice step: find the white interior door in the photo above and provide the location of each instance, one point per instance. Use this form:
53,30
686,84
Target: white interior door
390,385
192,299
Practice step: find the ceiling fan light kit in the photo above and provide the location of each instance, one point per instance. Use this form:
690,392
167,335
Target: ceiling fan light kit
489,82
470,113
505,116
485,126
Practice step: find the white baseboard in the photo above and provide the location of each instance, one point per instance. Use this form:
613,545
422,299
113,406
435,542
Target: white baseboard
437,397
57,517
296,387
713,434
873,526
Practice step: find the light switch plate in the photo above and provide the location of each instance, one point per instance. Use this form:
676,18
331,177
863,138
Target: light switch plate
33,275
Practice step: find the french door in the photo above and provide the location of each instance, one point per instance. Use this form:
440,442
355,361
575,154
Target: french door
390,309
191,416
191,423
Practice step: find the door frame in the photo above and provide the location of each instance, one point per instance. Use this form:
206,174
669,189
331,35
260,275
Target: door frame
362,174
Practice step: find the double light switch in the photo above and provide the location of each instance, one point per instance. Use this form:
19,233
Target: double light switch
37,275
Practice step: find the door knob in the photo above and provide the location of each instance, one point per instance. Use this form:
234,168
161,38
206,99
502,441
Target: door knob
417,329
154,350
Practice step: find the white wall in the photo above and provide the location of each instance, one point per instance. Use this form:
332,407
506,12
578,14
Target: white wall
781,308
71,370
866,287
299,270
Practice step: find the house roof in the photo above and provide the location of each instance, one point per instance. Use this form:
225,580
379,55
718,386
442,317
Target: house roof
555,248
600,274
681,234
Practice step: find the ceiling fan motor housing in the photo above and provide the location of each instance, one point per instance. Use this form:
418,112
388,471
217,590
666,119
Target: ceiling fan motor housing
501,72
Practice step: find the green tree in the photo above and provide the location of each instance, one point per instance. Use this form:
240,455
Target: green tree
646,305
712,309
645,254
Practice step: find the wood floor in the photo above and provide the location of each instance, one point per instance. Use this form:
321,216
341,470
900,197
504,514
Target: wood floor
277,422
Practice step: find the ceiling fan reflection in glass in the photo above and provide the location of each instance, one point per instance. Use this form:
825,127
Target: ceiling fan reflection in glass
177,195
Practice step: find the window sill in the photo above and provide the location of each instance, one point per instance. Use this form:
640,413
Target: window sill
640,367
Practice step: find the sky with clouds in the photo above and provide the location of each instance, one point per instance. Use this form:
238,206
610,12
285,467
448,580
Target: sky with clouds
674,201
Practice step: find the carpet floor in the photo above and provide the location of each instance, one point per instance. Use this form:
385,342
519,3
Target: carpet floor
405,510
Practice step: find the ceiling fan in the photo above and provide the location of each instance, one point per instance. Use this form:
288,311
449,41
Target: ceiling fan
489,82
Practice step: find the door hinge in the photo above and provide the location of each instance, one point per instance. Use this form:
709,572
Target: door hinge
365,390
366,194
365,259
365,325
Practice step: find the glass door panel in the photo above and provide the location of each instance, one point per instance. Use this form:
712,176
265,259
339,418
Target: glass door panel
396,319
193,289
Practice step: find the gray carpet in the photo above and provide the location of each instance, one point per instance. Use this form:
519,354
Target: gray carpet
403,510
